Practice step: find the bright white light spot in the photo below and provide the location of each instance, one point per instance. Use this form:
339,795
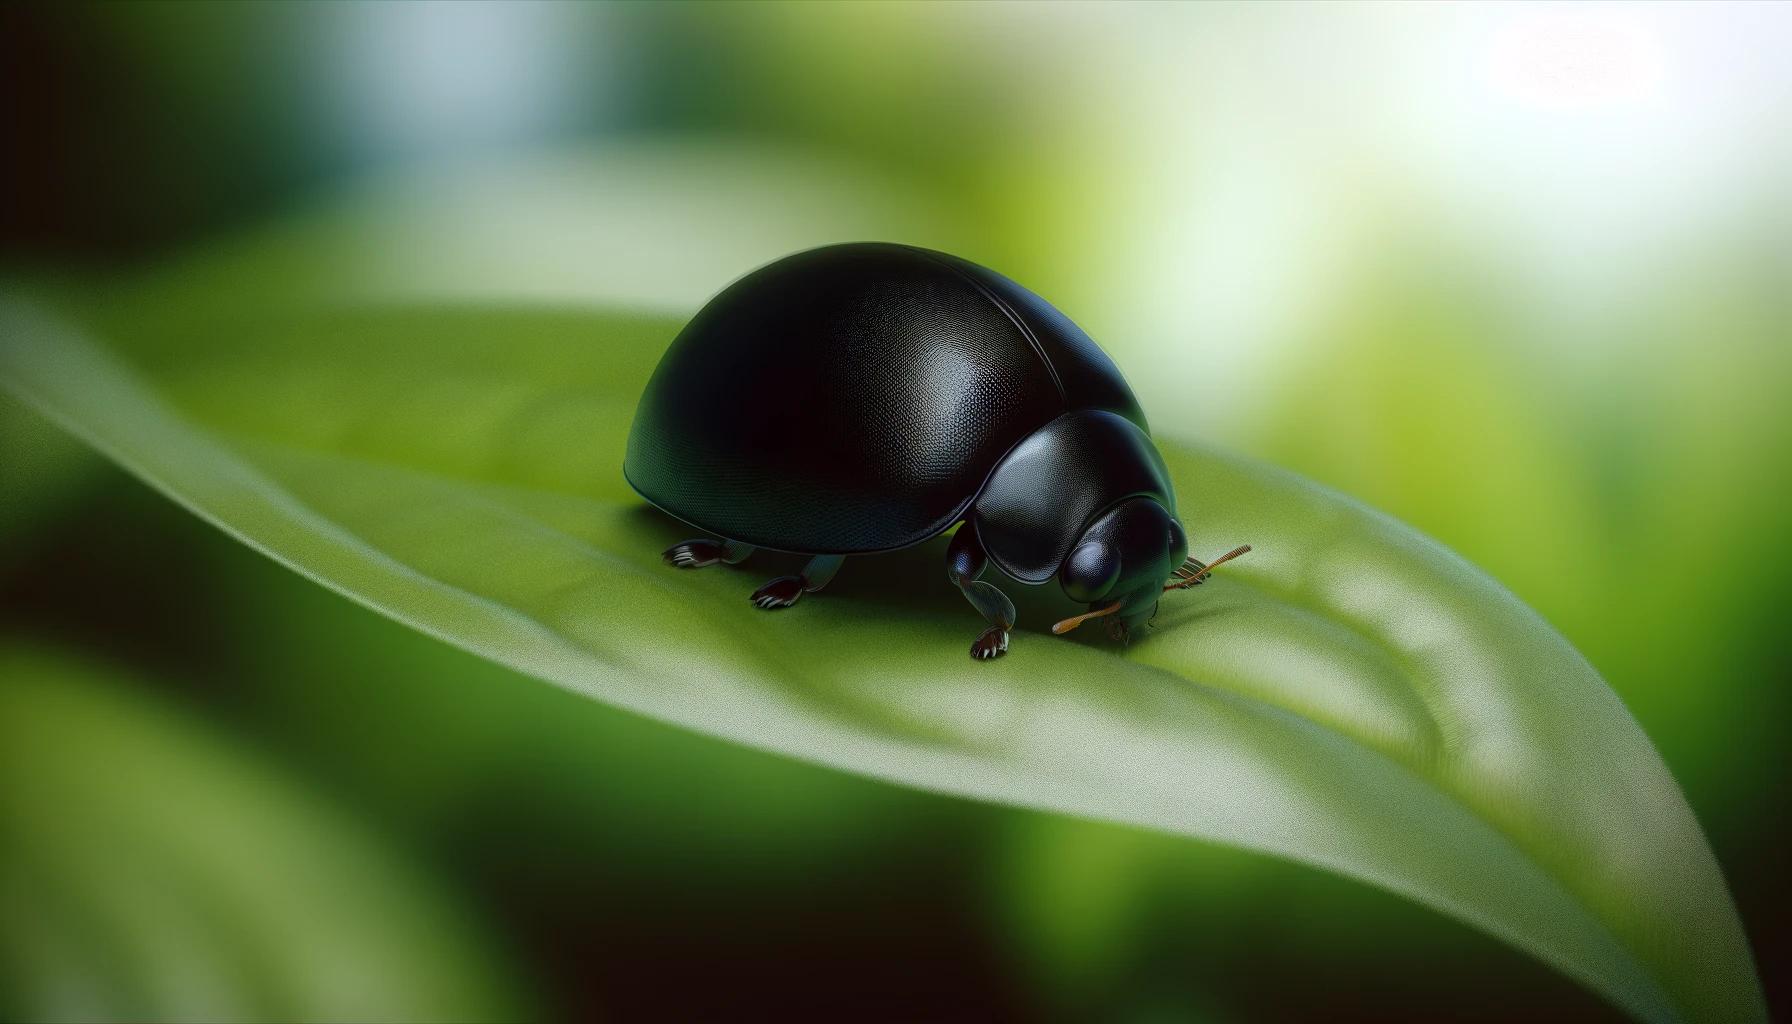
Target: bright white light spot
1578,58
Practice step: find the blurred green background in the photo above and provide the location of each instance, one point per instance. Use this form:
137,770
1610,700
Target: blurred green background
1519,275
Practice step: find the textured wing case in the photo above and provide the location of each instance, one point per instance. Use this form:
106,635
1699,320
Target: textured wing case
1084,374
843,400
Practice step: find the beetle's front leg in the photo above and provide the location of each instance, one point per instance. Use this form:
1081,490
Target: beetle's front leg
965,561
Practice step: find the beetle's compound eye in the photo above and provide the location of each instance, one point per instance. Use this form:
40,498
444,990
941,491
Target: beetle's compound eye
1178,544
1090,572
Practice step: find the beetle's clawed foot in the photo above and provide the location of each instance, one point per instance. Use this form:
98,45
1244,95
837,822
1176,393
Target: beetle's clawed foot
1119,630
992,644
779,593
693,554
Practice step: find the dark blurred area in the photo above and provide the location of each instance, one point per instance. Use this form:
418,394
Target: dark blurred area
1359,218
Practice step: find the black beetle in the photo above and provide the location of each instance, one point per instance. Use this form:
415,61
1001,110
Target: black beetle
862,398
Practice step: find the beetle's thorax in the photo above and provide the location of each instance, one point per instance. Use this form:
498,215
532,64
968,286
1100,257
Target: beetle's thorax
1051,486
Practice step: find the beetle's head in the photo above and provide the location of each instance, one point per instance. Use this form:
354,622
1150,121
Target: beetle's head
1122,560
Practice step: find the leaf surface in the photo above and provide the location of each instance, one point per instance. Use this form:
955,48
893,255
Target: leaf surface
1351,696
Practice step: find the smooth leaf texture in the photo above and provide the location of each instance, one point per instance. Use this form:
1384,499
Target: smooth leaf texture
150,871
1351,696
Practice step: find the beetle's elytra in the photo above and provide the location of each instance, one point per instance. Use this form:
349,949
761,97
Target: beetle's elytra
862,398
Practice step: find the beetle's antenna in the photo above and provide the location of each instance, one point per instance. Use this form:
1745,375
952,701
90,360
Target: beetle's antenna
1074,621
1187,577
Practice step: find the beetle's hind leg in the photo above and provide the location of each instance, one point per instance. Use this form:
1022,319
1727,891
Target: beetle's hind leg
695,554
786,590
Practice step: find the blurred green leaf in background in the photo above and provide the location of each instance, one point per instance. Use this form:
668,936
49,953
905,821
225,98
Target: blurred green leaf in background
151,871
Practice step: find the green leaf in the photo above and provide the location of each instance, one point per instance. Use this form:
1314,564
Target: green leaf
41,468
1351,696
148,870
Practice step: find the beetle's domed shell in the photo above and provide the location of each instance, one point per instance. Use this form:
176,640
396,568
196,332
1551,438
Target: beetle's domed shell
854,398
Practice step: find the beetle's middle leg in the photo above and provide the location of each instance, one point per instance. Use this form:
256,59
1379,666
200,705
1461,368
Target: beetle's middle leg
695,554
965,561
785,590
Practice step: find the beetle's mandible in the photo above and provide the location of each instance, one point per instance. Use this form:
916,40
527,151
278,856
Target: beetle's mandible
862,398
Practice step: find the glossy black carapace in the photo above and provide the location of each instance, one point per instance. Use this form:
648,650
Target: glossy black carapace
862,398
